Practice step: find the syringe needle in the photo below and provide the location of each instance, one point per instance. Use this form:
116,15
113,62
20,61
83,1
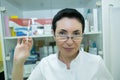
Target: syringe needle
28,28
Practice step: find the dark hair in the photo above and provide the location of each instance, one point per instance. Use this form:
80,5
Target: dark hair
70,13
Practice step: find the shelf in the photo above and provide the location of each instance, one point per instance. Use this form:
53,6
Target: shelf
91,33
49,35
16,37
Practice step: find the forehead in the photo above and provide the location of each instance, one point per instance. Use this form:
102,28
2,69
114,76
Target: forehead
68,24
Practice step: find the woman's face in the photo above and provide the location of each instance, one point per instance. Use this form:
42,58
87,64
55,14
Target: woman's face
72,28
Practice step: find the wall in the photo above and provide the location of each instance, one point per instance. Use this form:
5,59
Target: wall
49,13
11,10
44,13
39,14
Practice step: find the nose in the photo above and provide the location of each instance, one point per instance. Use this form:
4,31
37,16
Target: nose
69,41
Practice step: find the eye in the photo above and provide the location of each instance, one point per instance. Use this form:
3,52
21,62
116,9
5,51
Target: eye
62,33
76,33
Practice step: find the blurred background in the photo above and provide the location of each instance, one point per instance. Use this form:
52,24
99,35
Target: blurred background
33,18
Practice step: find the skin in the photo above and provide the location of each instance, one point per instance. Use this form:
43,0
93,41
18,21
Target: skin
68,50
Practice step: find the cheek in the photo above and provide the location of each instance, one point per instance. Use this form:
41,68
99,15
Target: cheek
78,44
59,44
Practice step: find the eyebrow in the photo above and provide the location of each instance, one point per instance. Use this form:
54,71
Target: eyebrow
63,30
77,31
73,31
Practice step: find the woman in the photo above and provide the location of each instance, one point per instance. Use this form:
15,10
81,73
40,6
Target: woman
69,63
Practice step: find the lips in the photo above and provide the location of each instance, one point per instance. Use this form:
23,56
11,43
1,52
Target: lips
68,49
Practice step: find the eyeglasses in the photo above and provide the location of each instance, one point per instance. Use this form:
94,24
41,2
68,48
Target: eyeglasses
65,37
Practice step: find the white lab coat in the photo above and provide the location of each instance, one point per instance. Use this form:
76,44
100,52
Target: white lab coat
85,66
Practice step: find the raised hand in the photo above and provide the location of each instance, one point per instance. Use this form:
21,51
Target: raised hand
22,50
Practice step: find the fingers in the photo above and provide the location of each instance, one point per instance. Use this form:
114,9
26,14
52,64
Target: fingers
26,40
18,41
30,42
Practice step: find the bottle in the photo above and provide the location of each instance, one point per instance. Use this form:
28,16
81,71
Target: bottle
86,26
95,19
90,19
93,48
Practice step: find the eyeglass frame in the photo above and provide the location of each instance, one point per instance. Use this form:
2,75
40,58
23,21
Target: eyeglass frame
66,37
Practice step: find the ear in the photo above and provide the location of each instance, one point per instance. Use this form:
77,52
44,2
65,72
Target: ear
53,33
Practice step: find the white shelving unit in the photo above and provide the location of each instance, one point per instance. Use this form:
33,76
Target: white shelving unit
48,35
48,12
38,36
92,33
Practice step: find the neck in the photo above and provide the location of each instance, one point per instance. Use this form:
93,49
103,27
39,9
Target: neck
67,59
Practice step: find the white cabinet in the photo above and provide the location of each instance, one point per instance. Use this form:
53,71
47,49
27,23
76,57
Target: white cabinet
114,20
33,10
